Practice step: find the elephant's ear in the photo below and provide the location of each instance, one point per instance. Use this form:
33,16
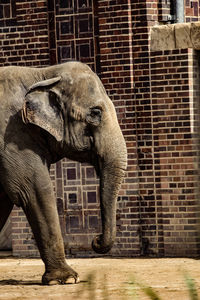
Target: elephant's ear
43,108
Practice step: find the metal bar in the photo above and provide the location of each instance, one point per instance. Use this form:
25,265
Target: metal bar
180,11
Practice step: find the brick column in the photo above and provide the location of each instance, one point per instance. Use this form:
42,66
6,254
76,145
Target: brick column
144,15
165,144
171,85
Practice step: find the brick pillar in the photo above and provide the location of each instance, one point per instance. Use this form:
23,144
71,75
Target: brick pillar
171,91
144,14
165,144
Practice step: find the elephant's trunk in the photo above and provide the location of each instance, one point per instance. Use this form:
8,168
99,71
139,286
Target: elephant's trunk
109,187
112,169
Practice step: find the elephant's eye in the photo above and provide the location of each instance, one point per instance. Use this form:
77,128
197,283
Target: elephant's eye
95,112
94,116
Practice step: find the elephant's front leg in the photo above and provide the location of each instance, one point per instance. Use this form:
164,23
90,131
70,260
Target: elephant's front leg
41,212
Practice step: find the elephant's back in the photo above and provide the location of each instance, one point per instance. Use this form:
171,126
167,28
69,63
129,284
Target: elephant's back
11,97
13,82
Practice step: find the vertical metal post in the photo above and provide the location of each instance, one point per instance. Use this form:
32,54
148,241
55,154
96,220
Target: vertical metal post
180,12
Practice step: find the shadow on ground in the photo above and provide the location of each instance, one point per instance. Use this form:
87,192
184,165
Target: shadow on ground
19,282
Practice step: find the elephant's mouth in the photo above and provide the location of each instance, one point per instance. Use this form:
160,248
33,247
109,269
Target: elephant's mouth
88,144
82,142
88,140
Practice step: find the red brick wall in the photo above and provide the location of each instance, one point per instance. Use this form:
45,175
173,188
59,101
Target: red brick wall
24,33
153,93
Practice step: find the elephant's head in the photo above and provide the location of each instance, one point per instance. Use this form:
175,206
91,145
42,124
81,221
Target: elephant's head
72,105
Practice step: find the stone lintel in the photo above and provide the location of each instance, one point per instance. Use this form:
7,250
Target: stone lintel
175,36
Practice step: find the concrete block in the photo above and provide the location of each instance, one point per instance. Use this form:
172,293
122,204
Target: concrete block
162,37
182,35
175,36
195,35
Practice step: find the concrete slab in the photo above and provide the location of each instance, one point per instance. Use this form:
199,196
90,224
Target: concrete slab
175,36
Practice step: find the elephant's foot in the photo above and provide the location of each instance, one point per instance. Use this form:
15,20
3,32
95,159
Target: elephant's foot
60,276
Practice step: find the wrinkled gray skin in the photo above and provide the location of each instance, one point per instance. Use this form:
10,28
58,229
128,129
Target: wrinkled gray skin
47,114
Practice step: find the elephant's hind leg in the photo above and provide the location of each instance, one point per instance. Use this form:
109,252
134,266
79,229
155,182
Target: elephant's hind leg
41,212
5,208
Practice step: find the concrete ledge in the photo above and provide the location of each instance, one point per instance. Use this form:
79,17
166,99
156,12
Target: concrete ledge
175,36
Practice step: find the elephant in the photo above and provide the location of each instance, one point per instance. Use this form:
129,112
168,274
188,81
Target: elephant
46,114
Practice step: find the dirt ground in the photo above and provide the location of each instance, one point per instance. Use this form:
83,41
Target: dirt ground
100,278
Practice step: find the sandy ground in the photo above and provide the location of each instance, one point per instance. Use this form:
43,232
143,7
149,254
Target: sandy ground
111,279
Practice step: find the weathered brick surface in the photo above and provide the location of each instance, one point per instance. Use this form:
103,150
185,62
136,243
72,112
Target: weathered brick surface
24,33
155,95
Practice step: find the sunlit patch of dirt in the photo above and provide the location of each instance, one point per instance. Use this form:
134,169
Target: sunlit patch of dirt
101,278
